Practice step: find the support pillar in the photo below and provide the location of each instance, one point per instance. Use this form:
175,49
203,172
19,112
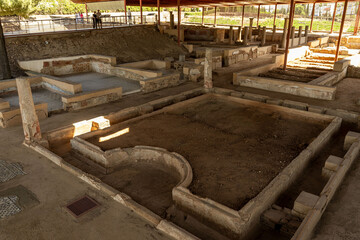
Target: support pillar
273,33
141,12
333,20
29,118
250,28
291,18
283,38
172,23
300,34
231,35
208,83
275,14
215,17
243,14
179,21
258,16
312,17
202,17
5,72
356,28
158,7
239,34
125,12
263,36
341,31
306,33
246,36
292,35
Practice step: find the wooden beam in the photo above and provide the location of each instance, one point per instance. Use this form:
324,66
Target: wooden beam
357,20
179,21
275,14
243,15
158,7
341,31
125,12
312,17
4,60
215,16
203,14
141,12
291,18
258,16
334,14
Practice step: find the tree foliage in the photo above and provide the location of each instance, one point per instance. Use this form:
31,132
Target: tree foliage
21,8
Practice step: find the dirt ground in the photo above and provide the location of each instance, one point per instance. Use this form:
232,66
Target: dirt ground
235,151
127,44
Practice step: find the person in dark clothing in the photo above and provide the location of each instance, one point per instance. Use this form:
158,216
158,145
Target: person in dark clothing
94,18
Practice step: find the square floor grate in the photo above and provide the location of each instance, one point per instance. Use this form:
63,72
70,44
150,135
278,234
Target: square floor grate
82,206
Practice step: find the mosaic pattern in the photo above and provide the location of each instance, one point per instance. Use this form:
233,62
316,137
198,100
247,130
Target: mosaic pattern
8,206
9,170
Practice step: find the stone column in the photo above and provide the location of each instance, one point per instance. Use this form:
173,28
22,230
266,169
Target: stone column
5,72
208,83
246,36
29,118
273,34
306,33
283,38
172,23
300,34
292,35
239,34
231,35
263,36
259,32
250,28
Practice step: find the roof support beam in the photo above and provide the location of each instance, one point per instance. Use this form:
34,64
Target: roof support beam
243,15
158,7
141,12
215,16
125,12
341,31
203,13
357,21
275,13
312,17
334,14
258,16
291,18
179,21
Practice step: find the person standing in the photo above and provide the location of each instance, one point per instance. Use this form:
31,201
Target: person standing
98,18
94,18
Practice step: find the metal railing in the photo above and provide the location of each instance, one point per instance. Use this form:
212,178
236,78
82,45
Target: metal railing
55,24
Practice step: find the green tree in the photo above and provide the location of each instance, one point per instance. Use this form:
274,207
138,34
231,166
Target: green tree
299,9
21,8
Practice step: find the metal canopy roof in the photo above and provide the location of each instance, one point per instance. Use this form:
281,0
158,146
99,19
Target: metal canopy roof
206,3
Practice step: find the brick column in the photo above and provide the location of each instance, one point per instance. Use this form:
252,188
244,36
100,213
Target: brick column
208,83
300,34
283,38
29,118
263,36
250,28
246,36
239,34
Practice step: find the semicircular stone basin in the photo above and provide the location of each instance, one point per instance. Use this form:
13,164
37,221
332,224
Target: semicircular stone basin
147,174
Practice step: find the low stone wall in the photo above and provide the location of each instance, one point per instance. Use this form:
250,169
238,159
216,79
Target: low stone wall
315,212
90,99
289,87
12,117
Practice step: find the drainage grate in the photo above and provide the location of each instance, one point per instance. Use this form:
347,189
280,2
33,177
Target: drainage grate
81,206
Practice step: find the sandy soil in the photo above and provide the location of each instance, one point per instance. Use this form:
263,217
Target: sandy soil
127,44
234,151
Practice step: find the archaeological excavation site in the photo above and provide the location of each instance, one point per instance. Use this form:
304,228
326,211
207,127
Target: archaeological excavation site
179,119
